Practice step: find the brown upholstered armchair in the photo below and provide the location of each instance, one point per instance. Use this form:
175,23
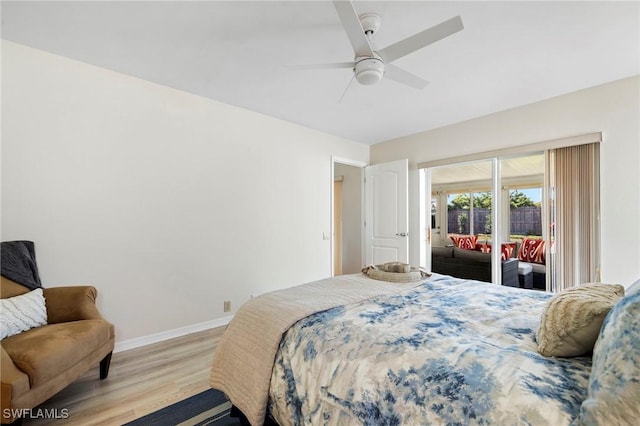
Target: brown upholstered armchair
38,363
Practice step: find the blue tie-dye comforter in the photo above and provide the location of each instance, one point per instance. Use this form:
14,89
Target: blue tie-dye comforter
450,351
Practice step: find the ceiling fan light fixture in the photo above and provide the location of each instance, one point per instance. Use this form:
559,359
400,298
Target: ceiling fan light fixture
369,71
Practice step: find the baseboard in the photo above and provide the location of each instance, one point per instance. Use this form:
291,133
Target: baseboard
125,345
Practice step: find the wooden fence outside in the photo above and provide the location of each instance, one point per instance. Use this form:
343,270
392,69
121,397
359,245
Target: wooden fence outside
524,221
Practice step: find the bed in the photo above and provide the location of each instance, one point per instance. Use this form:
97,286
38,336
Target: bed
352,350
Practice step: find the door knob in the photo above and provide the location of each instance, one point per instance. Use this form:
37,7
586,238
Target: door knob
401,234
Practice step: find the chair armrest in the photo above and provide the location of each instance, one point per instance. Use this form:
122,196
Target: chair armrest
14,382
71,304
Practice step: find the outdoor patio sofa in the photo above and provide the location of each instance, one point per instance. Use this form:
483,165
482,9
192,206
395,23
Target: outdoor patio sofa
471,264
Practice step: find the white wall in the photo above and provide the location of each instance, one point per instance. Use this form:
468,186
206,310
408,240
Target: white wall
168,203
613,109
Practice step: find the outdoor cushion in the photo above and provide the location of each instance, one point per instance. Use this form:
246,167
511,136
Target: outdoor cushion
524,268
464,241
442,251
532,251
535,267
473,255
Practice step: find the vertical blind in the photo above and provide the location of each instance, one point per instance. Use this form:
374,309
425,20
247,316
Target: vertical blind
575,230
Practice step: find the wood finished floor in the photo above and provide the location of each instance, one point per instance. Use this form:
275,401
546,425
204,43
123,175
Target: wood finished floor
140,381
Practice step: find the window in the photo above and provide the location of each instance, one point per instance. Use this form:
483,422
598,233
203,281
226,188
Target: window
434,210
458,213
525,213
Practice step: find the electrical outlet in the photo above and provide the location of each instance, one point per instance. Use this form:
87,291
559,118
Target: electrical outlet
227,305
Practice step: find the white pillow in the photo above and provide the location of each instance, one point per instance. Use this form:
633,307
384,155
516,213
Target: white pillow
21,313
572,319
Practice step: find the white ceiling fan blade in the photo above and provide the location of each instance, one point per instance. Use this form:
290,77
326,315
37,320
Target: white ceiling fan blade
401,76
334,65
420,40
353,28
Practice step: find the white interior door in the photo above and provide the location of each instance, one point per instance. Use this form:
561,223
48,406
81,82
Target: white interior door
387,212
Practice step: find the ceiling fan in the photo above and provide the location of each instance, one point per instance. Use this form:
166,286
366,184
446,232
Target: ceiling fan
369,66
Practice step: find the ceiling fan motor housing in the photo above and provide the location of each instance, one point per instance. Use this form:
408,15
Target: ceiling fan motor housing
369,70
370,23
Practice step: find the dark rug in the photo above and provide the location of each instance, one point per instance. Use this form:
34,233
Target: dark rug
210,407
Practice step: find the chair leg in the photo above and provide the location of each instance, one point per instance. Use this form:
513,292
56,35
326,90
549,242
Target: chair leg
104,366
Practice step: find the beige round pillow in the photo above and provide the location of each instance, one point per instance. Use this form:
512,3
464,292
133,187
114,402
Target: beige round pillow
395,272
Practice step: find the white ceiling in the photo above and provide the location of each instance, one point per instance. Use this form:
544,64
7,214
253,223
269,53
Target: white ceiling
509,54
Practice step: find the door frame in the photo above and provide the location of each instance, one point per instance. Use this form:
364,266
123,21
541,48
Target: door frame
354,163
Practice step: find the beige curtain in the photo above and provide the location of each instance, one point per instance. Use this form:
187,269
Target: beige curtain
575,215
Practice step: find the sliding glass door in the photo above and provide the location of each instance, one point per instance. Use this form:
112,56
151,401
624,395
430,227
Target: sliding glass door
489,204
538,204
461,201
523,215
